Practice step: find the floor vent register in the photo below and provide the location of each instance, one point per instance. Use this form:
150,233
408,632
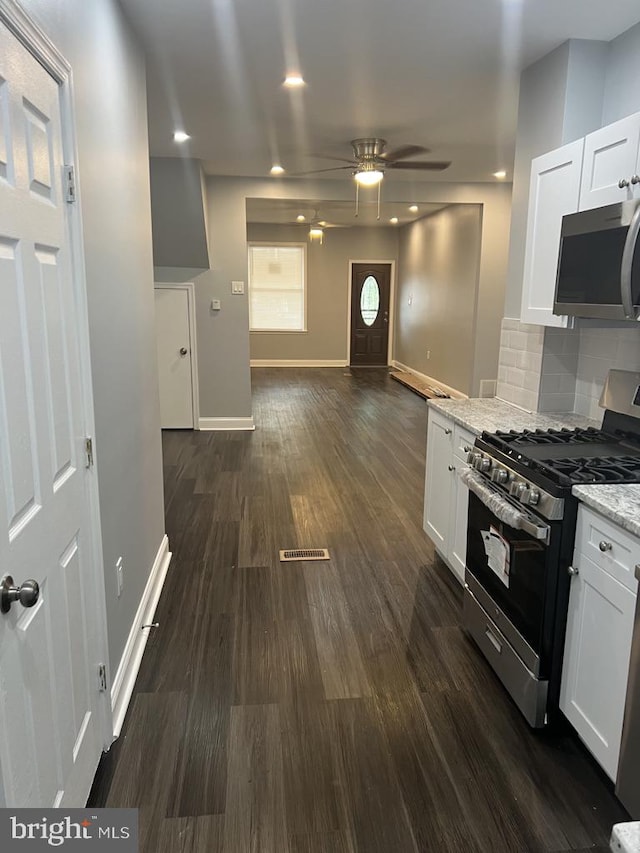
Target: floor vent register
304,554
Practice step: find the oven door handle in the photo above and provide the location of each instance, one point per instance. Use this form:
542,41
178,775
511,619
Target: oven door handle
626,292
502,507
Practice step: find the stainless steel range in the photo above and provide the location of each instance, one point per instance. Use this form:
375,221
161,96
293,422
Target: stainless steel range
520,544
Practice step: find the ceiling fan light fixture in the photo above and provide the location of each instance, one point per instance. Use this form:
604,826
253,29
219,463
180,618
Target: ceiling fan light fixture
316,234
368,175
294,81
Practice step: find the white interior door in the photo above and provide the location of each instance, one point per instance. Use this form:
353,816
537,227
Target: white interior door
174,358
51,724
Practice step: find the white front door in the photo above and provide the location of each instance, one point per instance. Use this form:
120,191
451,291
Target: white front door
51,724
174,358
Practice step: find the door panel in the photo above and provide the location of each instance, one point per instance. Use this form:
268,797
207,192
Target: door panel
50,731
174,358
370,294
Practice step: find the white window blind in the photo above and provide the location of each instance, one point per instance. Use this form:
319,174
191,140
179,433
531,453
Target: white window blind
276,288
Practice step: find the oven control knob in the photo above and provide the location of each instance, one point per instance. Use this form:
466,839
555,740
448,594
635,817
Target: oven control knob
500,476
485,465
534,497
518,490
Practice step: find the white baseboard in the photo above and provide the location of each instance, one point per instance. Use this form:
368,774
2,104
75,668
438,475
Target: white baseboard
288,362
429,380
125,677
226,424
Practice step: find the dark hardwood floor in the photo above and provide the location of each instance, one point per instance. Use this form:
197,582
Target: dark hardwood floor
328,707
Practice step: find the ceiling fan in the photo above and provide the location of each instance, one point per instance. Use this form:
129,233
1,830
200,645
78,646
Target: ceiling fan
371,160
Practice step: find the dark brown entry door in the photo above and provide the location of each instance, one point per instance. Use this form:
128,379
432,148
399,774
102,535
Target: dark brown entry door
370,288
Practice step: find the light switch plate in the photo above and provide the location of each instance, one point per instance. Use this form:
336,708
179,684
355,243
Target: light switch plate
237,287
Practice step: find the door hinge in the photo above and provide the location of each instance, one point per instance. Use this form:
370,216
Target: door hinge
88,447
69,184
102,678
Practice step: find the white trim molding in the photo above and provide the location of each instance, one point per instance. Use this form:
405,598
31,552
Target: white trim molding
429,380
221,424
297,362
127,672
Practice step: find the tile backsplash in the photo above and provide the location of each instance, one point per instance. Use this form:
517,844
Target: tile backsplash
520,363
601,349
563,370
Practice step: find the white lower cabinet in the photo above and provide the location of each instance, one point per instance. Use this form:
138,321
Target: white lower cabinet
446,498
599,631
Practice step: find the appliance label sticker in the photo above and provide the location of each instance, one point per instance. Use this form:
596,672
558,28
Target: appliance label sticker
496,548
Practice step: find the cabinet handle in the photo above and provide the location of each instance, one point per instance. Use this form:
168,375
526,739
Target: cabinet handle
447,432
605,546
622,183
451,467
466,448
635,179
497,645
573,570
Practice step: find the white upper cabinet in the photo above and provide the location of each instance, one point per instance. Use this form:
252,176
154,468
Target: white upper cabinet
554,191
611,164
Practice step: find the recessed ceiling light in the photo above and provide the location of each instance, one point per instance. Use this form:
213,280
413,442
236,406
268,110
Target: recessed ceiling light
277,170
500,174
414,208
294,81
301,217
180,136
394,220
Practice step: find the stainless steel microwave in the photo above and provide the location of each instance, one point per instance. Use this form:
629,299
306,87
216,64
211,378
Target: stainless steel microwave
599,263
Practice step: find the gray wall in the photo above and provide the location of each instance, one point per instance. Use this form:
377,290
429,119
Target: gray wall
223,338
327,288
110,102
622,83
177,212
439,260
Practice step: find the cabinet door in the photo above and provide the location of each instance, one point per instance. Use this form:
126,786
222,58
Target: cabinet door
596,660
554,191
610,155
438,479
458,523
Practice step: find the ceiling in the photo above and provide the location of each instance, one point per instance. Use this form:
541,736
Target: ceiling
338,213
441,74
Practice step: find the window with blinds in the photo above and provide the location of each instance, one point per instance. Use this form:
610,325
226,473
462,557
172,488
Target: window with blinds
277,287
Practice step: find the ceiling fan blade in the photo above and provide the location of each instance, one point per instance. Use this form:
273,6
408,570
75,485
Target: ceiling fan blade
333,157
317,171
424,165
403,152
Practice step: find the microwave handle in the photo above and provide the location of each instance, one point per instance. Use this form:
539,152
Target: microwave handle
627,264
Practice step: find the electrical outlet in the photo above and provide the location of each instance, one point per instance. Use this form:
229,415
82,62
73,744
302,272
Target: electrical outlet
119,575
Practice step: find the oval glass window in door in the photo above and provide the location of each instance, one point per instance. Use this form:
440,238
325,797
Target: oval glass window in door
370,300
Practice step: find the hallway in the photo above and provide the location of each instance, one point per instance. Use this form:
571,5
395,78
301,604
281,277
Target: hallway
327,707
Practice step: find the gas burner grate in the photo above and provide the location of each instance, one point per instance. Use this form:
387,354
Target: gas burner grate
603,469
588,435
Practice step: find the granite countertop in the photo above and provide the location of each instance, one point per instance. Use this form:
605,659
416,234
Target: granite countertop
620,504
479,413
